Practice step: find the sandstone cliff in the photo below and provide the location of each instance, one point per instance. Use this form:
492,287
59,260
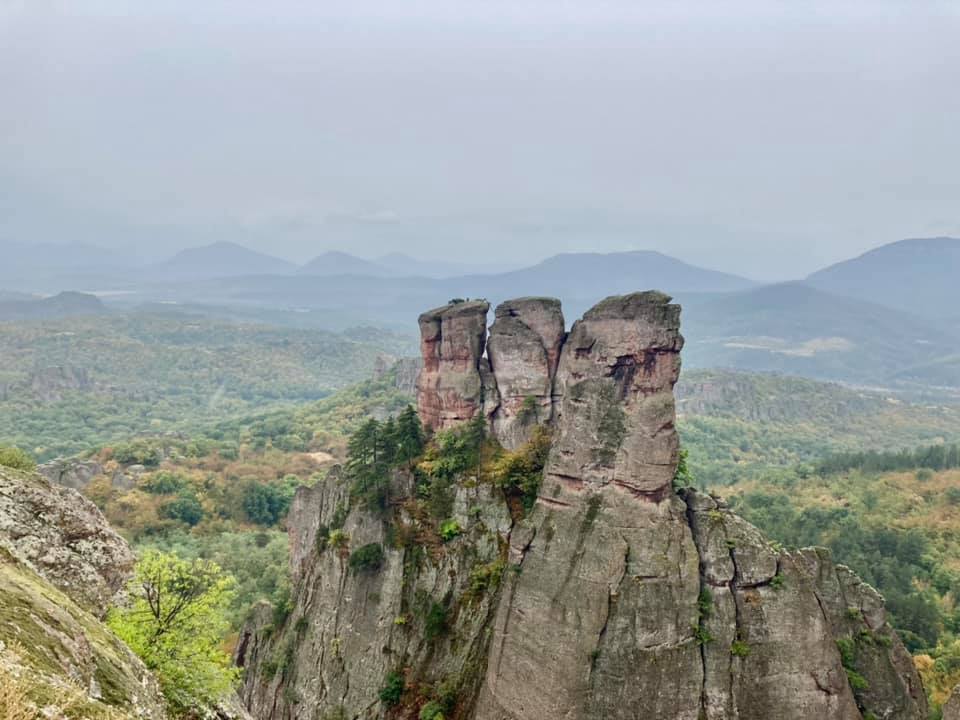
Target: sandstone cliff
618,596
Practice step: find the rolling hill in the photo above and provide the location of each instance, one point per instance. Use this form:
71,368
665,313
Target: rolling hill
217,260
918,275
796,329
341,263
65,304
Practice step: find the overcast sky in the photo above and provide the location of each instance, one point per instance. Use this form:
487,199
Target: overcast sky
762,138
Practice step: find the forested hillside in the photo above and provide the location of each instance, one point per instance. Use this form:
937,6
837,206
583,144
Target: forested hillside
67,385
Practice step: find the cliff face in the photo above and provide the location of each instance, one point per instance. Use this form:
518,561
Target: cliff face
620,597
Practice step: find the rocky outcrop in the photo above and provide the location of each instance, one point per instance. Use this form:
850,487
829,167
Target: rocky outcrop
621,596
951,708
423,612
75,473
51,648
64,538
404,371
450,388
60,564
524,351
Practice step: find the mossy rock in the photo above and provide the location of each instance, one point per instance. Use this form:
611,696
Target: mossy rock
66,652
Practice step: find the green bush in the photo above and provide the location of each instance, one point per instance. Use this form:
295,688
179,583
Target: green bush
738,648
435,624
431,711
392,689
17,459
165,483
186,508
367,558
138,452
266,504
449,529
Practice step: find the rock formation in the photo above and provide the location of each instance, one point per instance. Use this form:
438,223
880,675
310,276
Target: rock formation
951,709
59,565
450,388
621,596
64,538
524,350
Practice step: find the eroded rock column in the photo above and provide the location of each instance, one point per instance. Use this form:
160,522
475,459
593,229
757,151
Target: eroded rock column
600,621
452,340
524,351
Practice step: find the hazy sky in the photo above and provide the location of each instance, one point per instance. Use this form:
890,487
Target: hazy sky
764,138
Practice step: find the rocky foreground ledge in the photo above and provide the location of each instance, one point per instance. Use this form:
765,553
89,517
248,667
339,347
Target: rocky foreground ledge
617,597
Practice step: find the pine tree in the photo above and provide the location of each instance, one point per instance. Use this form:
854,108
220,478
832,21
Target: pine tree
409,437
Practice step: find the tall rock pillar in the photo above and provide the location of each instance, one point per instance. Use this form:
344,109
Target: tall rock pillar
450,388
524,351
609,566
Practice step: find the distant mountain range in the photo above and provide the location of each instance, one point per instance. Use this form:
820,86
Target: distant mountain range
221,259
888,317
919,275
799,330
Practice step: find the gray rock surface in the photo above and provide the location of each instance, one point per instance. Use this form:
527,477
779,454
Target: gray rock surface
951,708
524,350
622,597
75,473
62,537
60,564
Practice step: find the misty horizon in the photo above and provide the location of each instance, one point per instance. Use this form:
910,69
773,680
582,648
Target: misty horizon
766,140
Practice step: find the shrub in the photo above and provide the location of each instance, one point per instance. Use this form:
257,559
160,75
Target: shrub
485,577
449,529
266,504
165,483
338,539
519,473
186,508
367,557
858,682
431,711
702,635
17,459
738,648
705,603
682,477
435,624
953,495
138,452
392,689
